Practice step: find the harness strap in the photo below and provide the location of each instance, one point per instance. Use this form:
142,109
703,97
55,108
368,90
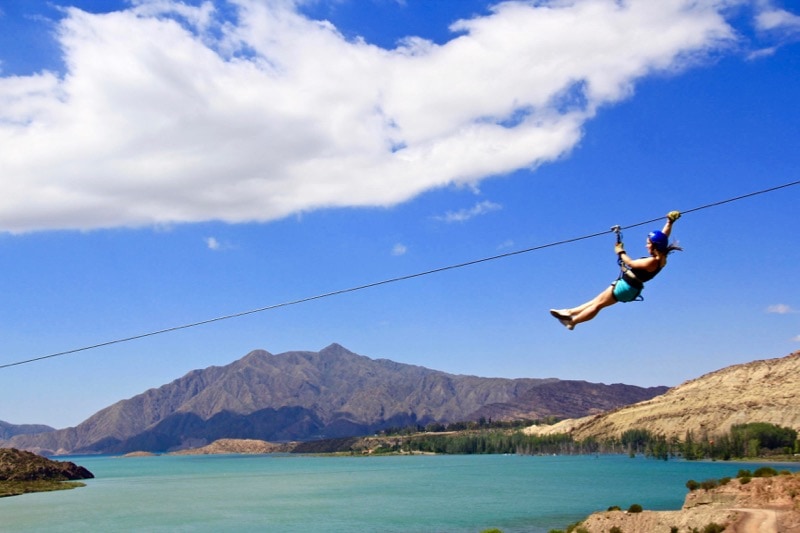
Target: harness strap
629,279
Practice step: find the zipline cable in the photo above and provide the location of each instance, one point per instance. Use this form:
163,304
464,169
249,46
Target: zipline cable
721,202
382,282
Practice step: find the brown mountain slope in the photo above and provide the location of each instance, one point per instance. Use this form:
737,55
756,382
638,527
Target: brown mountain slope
760,391
564,399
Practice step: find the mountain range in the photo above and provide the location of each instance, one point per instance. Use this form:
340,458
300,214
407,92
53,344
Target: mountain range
302,395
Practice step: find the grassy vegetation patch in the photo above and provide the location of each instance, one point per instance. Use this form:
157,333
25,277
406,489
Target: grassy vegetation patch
15,488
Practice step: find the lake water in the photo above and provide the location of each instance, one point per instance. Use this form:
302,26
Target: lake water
288,493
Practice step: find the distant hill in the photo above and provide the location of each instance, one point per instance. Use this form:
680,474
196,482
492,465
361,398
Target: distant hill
760,391
313,395
10,430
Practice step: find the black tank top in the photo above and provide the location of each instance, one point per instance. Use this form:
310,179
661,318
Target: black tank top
645,275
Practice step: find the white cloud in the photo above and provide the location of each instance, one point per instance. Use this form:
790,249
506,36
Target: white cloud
780,309
761,53
217,245
399,249
166,114
777,19
465,214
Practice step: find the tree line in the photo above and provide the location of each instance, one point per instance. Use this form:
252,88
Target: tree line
756,439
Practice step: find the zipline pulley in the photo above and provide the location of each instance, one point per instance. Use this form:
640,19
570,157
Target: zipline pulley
618,230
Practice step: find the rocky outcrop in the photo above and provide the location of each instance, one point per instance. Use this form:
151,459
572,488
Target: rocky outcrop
759,505
761,391
19,465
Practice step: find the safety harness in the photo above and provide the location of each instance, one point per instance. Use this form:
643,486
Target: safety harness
625,272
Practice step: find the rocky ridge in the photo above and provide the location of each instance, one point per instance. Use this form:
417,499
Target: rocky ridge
10,430
769,504
759,391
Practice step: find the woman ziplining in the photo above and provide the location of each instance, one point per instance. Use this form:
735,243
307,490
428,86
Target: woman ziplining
635,272
565,318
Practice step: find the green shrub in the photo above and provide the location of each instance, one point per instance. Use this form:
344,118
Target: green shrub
744,473
724,480
744,480
692,485
615,529
765,471
614,508
713,527
635,508
493,530
673,529
708,484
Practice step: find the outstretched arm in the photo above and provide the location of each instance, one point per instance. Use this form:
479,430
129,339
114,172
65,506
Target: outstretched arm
646,263
672,216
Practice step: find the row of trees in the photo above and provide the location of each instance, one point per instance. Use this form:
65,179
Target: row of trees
471,425
757,439
743,440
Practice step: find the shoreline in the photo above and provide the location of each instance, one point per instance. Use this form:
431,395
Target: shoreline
745,505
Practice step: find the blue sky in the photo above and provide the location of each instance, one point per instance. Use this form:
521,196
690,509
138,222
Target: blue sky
164,163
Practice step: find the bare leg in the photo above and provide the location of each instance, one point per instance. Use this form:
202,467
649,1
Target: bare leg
577,310
589,310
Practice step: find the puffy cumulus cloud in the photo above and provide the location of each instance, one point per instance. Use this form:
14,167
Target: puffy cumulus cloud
249,111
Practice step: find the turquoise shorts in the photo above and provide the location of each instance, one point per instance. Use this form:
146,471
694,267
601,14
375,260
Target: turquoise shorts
624,292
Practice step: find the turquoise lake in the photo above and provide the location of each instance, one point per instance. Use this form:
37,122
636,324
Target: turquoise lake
447,494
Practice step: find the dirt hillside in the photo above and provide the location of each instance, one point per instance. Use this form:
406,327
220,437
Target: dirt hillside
760,391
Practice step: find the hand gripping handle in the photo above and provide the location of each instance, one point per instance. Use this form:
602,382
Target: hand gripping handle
618,230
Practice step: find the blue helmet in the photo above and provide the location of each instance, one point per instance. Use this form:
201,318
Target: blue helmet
659,240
